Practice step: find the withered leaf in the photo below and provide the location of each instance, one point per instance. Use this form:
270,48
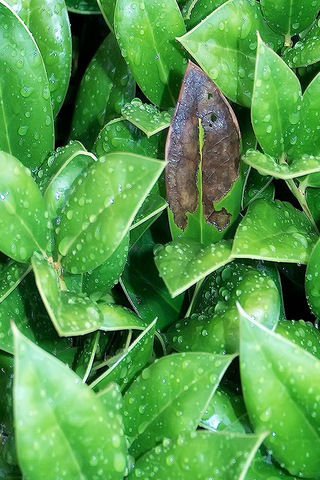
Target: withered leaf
218,154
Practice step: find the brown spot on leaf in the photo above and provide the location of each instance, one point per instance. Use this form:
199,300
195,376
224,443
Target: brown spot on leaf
200,99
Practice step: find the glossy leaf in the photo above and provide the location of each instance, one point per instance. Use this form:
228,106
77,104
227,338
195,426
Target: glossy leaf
275,111
58,174
203,153
122,136
304,334
257,186
49,25
202,453
197,10
148,118
107,9
169,397
116,317
145,289
76,438
23,220
26,115
71,313
12,307
216,328
183,263
292,415
84,7
130,363
290,17
85,357
306,51
313,281
150,209
11,274
224,45
148,44
261,469
103,207
106,86
276,231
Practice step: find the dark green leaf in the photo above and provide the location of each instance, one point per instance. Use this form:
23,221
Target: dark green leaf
306,51
106,86
48,23
285,399
83,6
225,44
313,280
11,274
148,43
26,114
148,118
23,219
182,263
257,186
85,358
77,436
276,231
201,455
170,396
197,10
101,209
107,9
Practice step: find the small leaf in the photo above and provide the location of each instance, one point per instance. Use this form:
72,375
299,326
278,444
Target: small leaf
204,135
257,186
313,281
276,231
83,6
71,313
26,111
304,334
75,439
284,401
306,51
101,209
116,317
11,274
148,44
228,455
148,118
224,45
289,17
23,221
198,10
170,396
183,263
106,86
275,111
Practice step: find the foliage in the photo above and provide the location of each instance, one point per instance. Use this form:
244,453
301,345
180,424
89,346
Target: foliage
159,213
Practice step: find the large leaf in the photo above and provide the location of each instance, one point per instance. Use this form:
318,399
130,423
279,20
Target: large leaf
102,207
106,86
182,263
275,111
23,220
200,455
289,17
26,114
56,436
276,231
225,43
170,396
203,154
49,24
148,43
284,400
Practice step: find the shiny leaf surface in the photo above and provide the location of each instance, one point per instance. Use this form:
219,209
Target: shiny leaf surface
306,51
146,117
312,280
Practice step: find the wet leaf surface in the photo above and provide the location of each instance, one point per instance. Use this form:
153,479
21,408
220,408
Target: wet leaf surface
213,148
148,118
306,51
304,334
312,284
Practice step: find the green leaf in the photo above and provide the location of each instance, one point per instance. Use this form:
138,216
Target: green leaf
107,9
116,317
289,17
200,454
182,263
268,165
85,357
23,220
71,313
122,136
224,45
49,25
197,10
148,118
284,401
58,174
306,51
83,6
101,209
148,44
261,469
130,363
26,112
217,325
75,439
257,186
145,289
276,231
11,274
313,281
106,86
304,334
170,396
275,111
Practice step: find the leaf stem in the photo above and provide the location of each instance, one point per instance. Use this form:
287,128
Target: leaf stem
287,40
